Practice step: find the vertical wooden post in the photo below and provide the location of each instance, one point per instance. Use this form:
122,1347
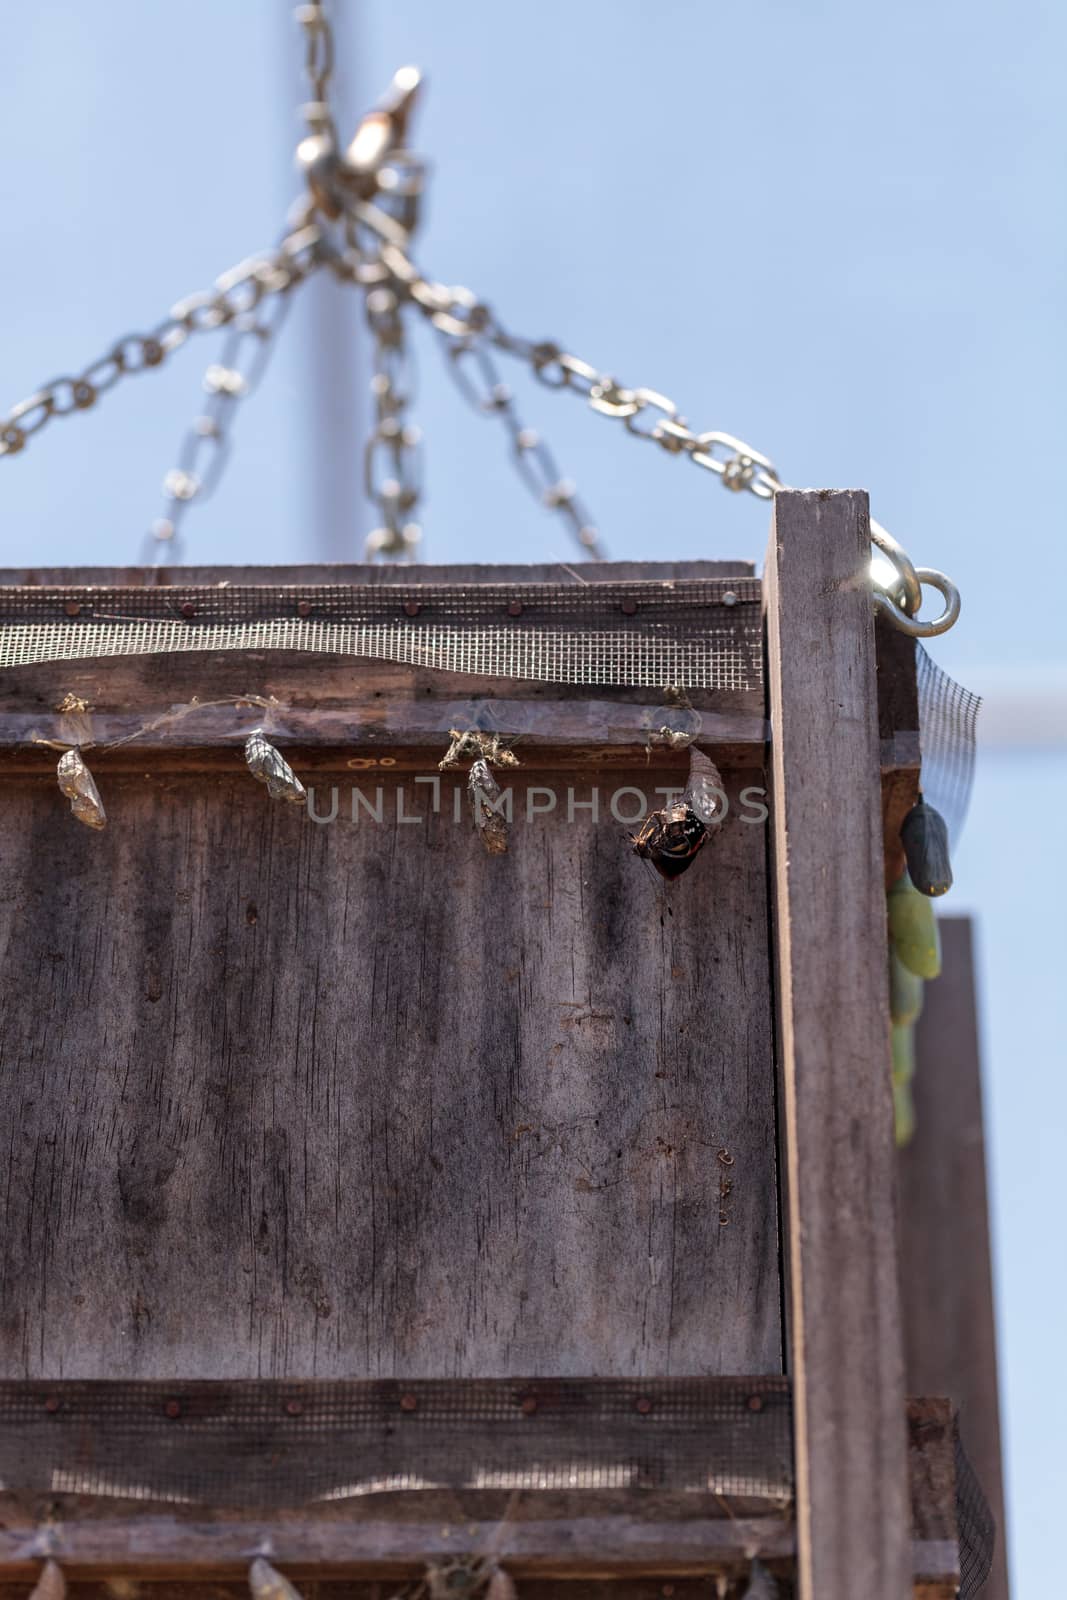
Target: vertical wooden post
946,1272
844,1323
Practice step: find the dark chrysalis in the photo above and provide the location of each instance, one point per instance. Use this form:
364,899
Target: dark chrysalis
671,838
925,840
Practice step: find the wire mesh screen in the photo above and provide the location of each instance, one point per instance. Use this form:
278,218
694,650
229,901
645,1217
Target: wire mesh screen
977,1531
698,633
948,715
273,1445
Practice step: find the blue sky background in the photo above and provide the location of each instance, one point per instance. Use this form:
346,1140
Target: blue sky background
836,230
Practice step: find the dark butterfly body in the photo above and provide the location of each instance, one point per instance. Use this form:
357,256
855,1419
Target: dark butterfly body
670,839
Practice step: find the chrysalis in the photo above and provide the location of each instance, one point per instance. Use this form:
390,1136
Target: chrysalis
464,1577
705,794
76,782
487,804
51,1585
267,1583
671,838
924,836
270,767
500,1586
761,1584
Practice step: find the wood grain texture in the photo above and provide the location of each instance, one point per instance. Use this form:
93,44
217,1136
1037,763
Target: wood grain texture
359,1100
329,708
946,1272
330,1588
632,1539
844,1331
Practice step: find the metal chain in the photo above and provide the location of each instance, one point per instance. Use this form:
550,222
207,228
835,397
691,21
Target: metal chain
205,449
246,352
318,66
376,187
470,363
393,217
469,323
395,486
236,294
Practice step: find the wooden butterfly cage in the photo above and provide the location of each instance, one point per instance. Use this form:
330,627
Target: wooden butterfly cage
386,1201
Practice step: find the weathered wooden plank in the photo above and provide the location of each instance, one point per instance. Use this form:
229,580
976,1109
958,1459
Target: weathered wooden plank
843,1317
205,696
946,1273
195,710
357,1099
638,1540
383,572
327,1588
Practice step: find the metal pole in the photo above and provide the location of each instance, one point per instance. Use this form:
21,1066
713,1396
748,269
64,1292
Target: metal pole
326,327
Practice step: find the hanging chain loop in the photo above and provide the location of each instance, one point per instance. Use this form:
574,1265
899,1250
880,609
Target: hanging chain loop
392,476
234,294
373,189
461,317
205,449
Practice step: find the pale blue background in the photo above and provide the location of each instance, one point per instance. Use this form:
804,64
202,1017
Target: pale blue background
835,229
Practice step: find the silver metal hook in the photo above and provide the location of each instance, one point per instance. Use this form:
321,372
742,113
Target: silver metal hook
912,625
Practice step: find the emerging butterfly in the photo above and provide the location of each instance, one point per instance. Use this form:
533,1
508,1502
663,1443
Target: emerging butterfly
670,838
